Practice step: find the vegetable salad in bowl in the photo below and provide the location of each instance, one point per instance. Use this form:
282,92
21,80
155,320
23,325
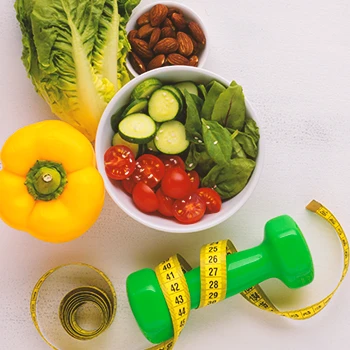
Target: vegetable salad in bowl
179,145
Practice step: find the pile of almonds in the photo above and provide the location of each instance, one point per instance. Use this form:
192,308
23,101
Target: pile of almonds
164,37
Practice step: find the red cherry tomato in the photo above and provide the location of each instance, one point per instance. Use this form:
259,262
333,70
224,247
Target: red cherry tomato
176,183
165,203
144,198
211,199
128,185
190,209
194,177
119,162
171,161
149,169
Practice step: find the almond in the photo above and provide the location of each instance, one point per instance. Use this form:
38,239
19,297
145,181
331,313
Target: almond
168,23
185,44
137,63
143,19
167,32
132,34
197,32
158,14
145,31
196,47
179,21
166,45
154,38
194,61
172,10
140,47
156,62
177,59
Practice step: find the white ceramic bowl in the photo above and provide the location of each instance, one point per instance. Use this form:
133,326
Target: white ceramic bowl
189,14
124,201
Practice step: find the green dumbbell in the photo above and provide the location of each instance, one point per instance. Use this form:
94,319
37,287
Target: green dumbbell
283,254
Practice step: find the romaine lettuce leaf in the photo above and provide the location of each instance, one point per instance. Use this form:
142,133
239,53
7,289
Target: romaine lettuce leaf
74,52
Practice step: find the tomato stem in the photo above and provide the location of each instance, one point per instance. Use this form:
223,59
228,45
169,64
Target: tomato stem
46,180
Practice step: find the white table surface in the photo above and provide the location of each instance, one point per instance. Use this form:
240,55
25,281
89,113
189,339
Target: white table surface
293,60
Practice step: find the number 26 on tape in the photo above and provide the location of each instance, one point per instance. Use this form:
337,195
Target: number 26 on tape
212,259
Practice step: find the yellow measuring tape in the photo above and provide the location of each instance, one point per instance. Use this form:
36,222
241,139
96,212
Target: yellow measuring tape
170,274
74,286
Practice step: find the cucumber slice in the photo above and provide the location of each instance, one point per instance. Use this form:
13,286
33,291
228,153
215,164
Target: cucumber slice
137,128
177,93
146,88
171,138
136,106
189,86
163,106
118,140
117,117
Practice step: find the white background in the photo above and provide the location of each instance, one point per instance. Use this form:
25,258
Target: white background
293,60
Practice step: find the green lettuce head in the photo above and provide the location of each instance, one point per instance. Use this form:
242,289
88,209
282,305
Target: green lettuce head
74,52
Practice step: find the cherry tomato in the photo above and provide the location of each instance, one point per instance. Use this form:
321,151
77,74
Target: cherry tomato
171,161
176,183
194,177
119,162
165,203
128,185
211,199
190,209
144,198
149,169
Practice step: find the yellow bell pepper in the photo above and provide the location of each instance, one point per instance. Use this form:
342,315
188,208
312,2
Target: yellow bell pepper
49,185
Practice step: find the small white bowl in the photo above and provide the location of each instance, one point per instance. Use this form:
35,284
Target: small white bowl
189,14
124,201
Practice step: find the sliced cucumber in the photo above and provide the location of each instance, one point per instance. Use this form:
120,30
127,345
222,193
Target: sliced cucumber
189,86
116,118
118,140
146,88
177,93
136,106
171,138
163,106
137,128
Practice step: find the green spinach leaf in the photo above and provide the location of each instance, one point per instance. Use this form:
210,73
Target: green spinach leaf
248,144
117,118
229,180
192,158
237,150
217,141
229,109
198,101
193,123
214,92
203,91
205,162
252,129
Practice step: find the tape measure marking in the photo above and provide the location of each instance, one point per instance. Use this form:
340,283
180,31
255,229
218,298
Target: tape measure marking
213,271
170,274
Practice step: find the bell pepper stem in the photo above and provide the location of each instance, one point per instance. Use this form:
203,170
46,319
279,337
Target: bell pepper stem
46,180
